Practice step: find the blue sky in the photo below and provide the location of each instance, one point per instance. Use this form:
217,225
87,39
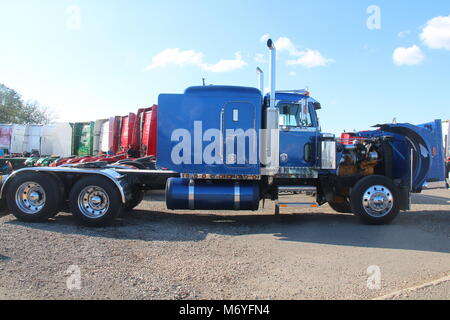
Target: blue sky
115,59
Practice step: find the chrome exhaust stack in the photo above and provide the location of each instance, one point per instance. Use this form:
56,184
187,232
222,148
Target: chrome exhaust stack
271,139
273,59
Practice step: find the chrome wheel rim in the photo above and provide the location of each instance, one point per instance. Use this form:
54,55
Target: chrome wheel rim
378,201
93,202
30,197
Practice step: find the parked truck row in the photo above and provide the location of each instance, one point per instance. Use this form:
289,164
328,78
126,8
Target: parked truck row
232,148
109,140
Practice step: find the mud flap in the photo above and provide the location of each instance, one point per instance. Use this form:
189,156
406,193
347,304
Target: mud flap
405,198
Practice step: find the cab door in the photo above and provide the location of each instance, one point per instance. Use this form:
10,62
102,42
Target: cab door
298,135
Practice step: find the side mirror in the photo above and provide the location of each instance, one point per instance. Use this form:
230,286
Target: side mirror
317,106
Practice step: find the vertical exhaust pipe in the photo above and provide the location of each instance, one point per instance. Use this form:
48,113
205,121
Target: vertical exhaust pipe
273,57
260,74
272,139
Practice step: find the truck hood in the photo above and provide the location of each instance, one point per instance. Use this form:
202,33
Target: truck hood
426,142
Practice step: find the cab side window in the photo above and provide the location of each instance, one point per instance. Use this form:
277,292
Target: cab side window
295,115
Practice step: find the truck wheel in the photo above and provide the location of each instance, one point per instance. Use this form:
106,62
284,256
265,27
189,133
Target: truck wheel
3,208
33,197
135,200
342,207
375,200
95,201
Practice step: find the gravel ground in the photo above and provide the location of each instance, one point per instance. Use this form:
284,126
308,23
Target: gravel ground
153,253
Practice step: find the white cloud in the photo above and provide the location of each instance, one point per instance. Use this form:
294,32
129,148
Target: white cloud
436,33
307,58
310,59
264,37
403,34
176,57
285,44
408,56
181,58
292,73
226,65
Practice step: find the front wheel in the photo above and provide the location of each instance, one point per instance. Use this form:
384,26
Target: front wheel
375,200
95,201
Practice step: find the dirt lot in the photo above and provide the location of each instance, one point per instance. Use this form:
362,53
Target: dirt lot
154,253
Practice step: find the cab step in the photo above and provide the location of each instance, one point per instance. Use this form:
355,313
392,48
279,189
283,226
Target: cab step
296,189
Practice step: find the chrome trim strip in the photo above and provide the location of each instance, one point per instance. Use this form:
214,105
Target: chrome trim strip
192,194
199,176
108,173
146,171
237,196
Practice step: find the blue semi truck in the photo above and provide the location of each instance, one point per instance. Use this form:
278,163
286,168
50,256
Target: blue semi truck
232,148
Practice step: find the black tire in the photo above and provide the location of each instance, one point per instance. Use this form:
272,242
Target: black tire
375,199
135,201
3,207
84,191
47,204
341,207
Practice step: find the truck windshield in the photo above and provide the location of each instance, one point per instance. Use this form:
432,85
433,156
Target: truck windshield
295,115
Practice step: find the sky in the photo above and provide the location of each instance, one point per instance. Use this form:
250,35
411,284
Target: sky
367,62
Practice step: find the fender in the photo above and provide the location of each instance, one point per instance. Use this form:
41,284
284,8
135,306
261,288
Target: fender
111,175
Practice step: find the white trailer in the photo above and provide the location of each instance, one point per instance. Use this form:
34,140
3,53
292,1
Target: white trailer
104,138
5,136
56,140
98,128
18,138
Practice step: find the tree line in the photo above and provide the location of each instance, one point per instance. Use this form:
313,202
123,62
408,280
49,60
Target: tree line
13,109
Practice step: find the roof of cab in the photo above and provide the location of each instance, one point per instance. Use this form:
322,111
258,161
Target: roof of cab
222,89
284,96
